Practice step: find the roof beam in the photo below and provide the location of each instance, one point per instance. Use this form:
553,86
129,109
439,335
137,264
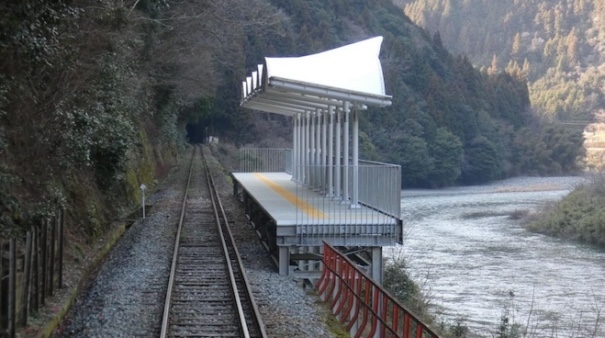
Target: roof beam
270,108
328,92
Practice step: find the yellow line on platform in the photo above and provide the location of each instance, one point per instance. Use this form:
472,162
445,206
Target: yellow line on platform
290,197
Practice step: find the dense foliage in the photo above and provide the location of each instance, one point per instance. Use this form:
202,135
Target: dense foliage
578,217
95,96
556,45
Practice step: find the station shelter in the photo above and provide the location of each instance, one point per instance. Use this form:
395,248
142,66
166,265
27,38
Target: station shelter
319,190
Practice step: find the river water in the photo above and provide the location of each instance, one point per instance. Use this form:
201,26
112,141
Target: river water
475,261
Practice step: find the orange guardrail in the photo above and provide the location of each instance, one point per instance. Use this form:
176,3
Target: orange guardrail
362,305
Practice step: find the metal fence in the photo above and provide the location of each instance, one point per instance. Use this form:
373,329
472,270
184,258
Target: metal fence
377,186
366,213
352,205
362,305
31,268
265,160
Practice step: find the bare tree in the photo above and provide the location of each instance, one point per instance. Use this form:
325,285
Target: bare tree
202,39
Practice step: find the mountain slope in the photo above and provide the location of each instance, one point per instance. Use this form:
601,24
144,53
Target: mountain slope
559,46
87,115
441,104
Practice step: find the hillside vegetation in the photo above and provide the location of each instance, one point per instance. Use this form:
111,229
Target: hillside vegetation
449,122
96,97
578,217
557,45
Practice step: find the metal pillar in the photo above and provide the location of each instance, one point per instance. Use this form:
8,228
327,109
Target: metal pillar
345,179
318,150
324,122
331,152
355,196
337,168
306,148
294,147
300,154
312,178
284,260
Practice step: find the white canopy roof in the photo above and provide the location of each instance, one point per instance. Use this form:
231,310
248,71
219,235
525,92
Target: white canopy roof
297,84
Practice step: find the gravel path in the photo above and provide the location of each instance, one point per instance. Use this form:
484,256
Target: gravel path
125,299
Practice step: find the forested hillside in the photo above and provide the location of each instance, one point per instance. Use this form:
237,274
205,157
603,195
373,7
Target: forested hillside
96,97
558,45
449,122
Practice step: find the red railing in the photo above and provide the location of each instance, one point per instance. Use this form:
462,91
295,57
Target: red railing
362,305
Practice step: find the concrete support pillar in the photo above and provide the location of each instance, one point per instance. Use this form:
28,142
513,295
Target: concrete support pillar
377,264
284,260
377,272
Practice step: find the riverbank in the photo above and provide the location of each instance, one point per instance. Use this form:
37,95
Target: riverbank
579,216
477,262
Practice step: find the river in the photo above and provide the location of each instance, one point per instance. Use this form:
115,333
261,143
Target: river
474,260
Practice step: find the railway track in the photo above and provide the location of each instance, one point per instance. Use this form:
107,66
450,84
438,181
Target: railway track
208,293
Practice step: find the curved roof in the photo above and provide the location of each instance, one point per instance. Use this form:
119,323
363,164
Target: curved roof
296,84
353,67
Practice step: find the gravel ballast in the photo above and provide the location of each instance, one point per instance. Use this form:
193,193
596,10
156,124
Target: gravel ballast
126,297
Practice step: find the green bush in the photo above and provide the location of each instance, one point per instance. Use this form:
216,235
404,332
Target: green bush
579,216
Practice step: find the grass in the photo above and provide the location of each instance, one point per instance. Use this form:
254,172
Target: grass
333,324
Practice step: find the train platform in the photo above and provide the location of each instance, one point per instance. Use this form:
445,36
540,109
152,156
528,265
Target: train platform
303,216
320,191
295,220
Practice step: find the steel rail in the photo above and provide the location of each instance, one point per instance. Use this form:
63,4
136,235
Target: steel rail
245,317
166,315
213,197
258,322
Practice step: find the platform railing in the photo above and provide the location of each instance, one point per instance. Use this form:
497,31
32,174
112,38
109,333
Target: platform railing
379,186
361,304
373,184
376,185
327,209
265,160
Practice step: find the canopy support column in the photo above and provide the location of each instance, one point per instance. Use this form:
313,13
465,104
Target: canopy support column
306,148
318,150
355,197
337,167
331,152
294,146
299,151
324,119
345,179
312,150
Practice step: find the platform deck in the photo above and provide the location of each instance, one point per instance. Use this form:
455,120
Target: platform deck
289,203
